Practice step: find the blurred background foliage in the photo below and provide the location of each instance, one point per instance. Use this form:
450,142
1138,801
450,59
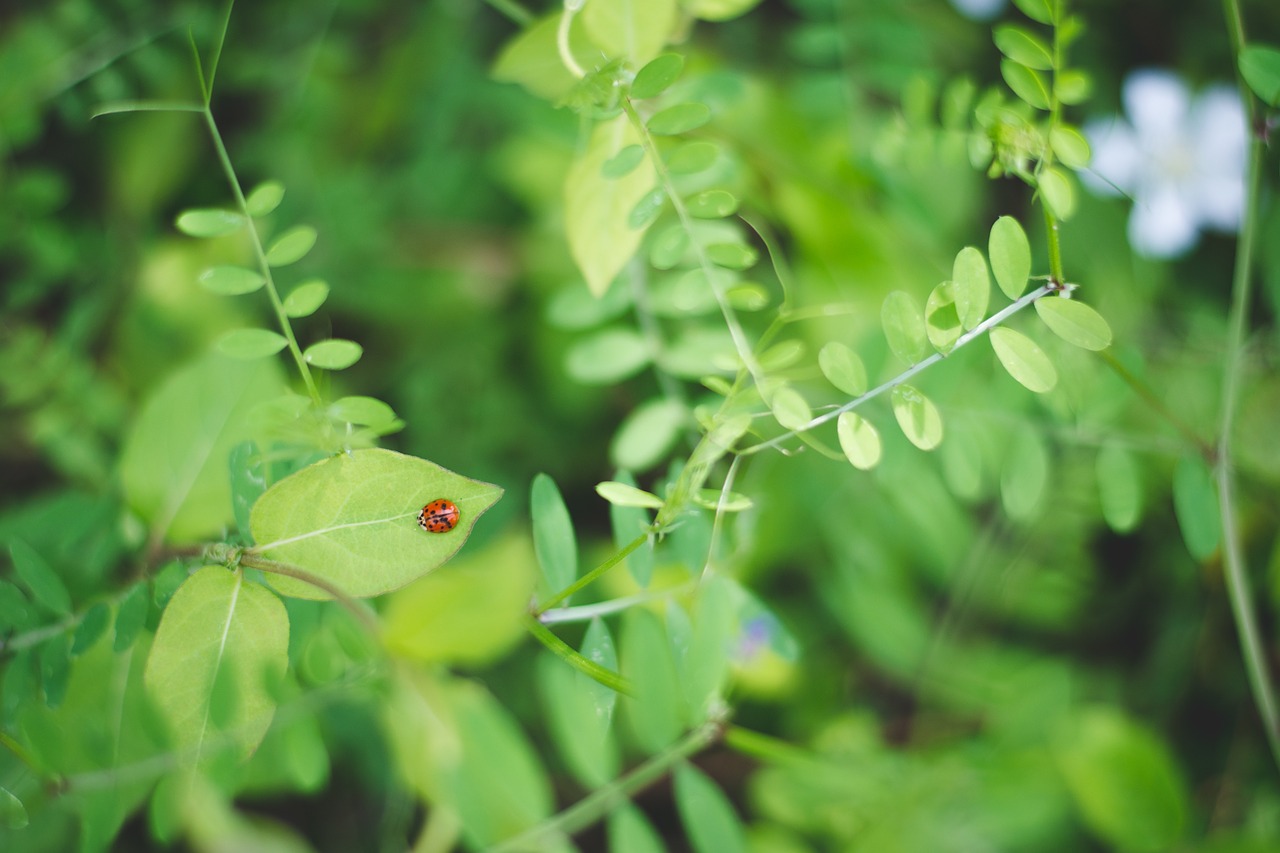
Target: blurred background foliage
986,663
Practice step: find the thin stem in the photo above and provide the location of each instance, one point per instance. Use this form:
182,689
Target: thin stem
1056,272
217,50
562,41
514,11
1236,573
587,612
1155,402
603,800
590,577
576,659
286,570
276,304
969,336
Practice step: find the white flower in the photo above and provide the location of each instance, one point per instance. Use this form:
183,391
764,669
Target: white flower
979,10
1181,160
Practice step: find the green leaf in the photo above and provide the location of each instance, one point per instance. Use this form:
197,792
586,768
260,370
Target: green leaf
174,460
624,494
1075,322
918,417
859,440
471,614
678,119
92,626
46,588
624,162
718,10
553,537
790,407
1010,256
1125,783
131,615
13,814
209,222
1260,67
633,29
734,256
532,58
1119,488
941,322
648,433
608,356
1023,47
1024,476
14,613
1043,11
352,521
250,344
1195,504
669,247
231,281
630,832
305,299
55,669
218,627
1024,360
704,664
712,204
1070,146
1072,86
580,710
291,246
971,286
333,354
843,368
265,198
647,209
1058,193
708,817
362,411
1028,85
655,713
598,209
657,75
903,326
692,157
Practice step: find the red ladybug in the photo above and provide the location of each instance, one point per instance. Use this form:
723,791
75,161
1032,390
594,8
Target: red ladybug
439,516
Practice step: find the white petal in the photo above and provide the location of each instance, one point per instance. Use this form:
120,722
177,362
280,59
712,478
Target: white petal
1116,158
1221,140
1157,102
979,10
1162,224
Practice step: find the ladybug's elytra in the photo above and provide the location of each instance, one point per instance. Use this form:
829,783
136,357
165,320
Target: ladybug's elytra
439,516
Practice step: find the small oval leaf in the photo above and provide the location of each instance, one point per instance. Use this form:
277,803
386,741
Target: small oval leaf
1195,504
657,75
843,368
903,326
231,281
249,344
1023,47
1119,488
333,354
790,408
621,494
607,356
291,246
623,163
692,157
1070,146
1075,322
1058,193
265,198
1260,67
1027,84
678,119
971,286
209,222
941,321
859,440
362,411
918,417
648,434
305,299
712,204
1024,360
1010,254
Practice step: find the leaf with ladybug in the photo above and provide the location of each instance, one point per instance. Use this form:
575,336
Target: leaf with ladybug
354,521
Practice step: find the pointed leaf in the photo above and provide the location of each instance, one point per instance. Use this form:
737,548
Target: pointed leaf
231,281
708,817
250,344
1010,256
918,417
655,712
46,588
859,440
631,832
971,286
305,299
597,209
1024,359
903,326
209,222
1023,47
218,626
1075,322
843,368
553,537
1028,85
352,521
623,494
580,710
13,814
333,354
1260,67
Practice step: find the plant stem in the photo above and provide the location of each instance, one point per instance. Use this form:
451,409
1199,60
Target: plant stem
591,576
587,612
290,571
969,336
575,659
1235,571
603,800
225,159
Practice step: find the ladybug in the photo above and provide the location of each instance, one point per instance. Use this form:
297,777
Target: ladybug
439,516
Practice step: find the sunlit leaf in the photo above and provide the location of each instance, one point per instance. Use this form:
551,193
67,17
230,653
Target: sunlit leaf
790,407
532,58
209,222
633,29
362,411
1038,10
218,627
351,520
291,246
1058,192
903,326
1010,256
734,256
623,494
859,440
918,417
265,198
333,354
1024,360
843,368
1027,84
718,10
305,299
941,322
971,286
231,281
1075,322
